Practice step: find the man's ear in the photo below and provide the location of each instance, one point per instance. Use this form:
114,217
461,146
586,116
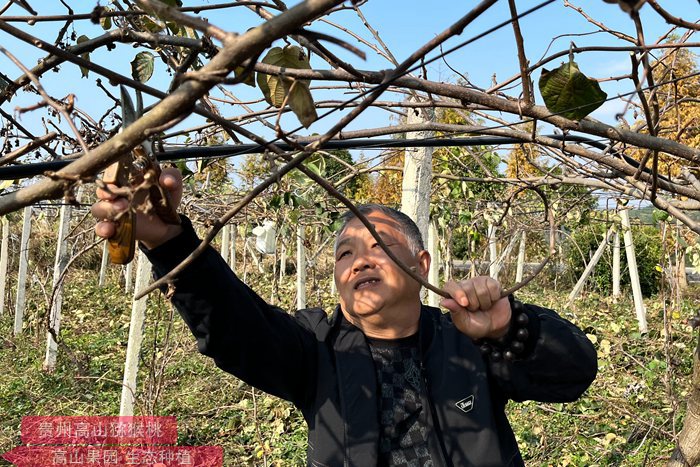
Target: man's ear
423,263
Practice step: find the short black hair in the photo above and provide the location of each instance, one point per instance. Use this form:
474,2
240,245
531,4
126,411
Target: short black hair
408,228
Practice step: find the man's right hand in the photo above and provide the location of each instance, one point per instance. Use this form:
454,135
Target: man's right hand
150,229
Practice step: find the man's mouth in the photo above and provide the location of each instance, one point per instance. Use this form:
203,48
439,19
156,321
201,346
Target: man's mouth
364,283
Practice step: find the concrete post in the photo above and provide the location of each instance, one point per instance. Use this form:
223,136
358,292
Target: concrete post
634,272
22,272
417,174
60,264
133,346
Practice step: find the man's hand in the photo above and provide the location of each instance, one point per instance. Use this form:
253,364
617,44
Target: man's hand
477,307
150,229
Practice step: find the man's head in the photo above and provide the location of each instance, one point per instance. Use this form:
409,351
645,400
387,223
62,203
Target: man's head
405,224
374,292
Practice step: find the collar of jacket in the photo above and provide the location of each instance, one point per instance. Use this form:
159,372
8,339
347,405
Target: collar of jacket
358,384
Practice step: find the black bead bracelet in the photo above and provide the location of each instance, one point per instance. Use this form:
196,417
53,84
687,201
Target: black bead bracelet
512,345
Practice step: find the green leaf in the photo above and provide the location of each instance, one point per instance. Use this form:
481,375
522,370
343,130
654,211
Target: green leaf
182,167
569,92
152,26
175,28
276,88
294,216
142,66
86,56
337,224
106,21
659,215
276,201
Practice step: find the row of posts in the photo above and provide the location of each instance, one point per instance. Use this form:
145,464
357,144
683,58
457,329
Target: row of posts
415,202
138,311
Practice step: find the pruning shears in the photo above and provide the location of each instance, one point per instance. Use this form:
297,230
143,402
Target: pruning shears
139,171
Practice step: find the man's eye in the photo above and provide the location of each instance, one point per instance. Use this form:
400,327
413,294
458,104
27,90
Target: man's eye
342,254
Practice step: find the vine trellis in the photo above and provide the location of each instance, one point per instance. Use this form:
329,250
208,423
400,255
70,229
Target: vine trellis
650,155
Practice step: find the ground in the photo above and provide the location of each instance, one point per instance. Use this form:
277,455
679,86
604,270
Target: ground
628,416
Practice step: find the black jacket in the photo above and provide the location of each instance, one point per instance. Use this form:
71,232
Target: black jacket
326,370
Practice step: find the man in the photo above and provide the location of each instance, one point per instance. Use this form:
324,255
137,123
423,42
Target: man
384,380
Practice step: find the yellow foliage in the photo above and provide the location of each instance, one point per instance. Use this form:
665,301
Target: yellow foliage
385,187
679,105
524,159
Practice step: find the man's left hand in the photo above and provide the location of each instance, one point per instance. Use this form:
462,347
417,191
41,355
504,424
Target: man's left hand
477,307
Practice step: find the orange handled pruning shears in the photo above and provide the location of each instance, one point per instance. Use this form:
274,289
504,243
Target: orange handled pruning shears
140,171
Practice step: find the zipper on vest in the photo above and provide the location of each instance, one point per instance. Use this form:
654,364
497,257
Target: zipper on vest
436,422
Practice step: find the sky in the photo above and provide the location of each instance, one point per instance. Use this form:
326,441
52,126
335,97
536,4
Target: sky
403,25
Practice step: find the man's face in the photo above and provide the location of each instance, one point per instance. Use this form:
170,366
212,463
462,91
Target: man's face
368,281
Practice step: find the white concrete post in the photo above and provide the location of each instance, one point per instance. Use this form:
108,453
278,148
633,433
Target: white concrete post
226,243
283,260
634,272
504,254
60,264
232,257
434,272
521,258
589,269
616,265
417,174
133,347
103,265
129,277
253,254
493,251
4,261
301,268
22,273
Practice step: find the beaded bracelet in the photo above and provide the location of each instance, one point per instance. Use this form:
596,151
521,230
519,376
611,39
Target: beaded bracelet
510,346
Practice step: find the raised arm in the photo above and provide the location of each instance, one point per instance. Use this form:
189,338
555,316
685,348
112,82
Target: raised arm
245,336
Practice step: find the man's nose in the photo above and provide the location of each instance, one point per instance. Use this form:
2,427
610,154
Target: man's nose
363,261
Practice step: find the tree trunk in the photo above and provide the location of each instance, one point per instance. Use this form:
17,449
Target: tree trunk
687,451
301,268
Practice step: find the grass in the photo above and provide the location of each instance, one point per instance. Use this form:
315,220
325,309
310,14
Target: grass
628,417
